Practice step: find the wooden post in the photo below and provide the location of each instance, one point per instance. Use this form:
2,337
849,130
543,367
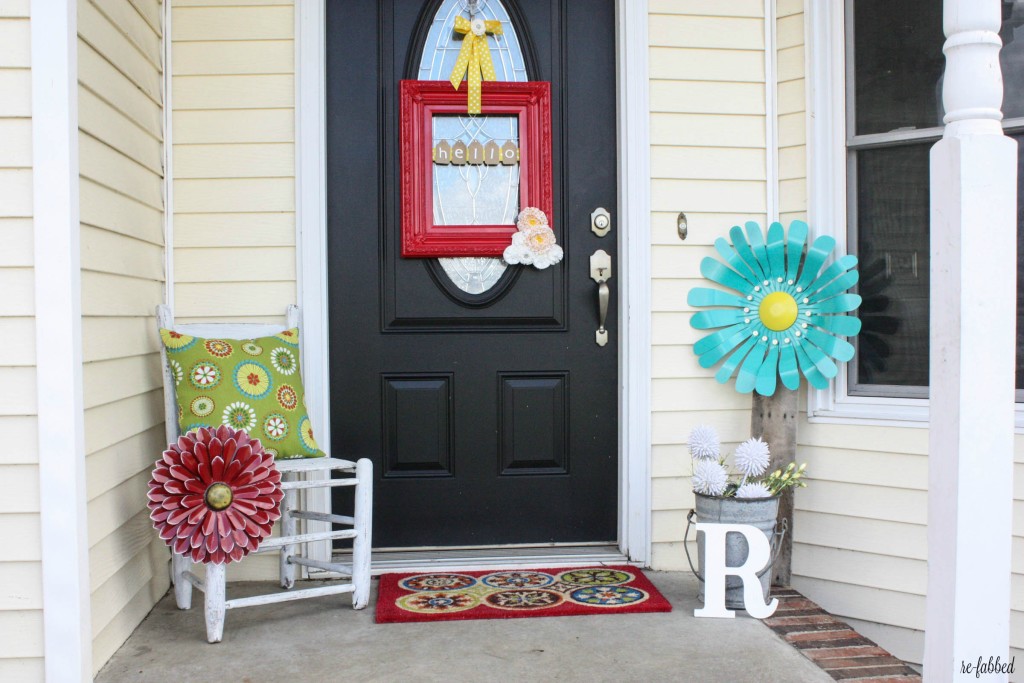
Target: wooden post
972,354
773,418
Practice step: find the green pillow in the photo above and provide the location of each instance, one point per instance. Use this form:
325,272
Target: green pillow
250,384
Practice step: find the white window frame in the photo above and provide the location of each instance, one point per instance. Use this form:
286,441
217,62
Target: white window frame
827,210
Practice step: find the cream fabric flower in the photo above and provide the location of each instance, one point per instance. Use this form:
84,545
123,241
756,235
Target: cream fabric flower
534,244
531,217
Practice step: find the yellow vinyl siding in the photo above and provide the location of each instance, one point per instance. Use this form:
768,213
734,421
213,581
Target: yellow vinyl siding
16,189
861,531
21,600
122,204
860,528
707,160
233,169
16,87
233,92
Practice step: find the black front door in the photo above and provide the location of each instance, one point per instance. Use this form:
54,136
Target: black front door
491,416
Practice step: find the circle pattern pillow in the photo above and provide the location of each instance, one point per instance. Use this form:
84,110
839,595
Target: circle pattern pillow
250,384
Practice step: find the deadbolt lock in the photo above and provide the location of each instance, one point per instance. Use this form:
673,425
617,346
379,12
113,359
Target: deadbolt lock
600,221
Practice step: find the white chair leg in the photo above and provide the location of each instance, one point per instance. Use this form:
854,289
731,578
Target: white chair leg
215,611
362,542
289,504
182,586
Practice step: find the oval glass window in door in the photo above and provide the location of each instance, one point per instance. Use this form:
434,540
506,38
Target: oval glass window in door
474,194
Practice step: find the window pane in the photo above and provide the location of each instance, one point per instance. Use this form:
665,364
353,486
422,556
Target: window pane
1011,58
442,47
476,189
897,71
898,64
892,245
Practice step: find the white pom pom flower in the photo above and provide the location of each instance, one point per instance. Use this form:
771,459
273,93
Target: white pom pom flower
753,490
751,457
704,443
709,478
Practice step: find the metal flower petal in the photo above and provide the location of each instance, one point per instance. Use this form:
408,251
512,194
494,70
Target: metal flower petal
784,311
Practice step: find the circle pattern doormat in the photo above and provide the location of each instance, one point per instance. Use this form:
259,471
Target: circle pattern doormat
445,596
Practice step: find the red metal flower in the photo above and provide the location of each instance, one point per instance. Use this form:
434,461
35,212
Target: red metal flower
215,494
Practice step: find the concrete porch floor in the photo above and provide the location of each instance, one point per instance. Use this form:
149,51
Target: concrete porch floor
324,639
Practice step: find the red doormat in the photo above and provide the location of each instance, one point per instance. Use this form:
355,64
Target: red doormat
449,596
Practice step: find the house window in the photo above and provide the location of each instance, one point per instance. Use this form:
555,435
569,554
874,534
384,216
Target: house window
894,67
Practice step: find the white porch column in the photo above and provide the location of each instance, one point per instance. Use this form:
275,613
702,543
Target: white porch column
67,629
973,313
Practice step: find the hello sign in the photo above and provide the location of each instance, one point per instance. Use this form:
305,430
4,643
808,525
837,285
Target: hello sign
423,155
475,153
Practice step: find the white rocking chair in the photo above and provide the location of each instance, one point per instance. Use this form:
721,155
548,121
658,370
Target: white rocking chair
293,479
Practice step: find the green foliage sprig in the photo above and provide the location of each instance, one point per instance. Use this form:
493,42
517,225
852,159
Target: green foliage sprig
791,477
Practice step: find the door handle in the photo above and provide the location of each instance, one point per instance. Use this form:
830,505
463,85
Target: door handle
602,302
601,272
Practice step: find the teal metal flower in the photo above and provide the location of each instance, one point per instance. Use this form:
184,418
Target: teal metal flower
788,309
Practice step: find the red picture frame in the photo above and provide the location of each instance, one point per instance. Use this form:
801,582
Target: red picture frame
420,101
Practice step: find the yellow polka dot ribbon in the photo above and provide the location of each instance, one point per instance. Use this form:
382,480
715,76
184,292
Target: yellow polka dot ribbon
474,59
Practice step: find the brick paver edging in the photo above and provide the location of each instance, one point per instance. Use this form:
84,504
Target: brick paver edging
830,643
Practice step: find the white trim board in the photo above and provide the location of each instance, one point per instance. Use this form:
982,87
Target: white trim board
633,229
771,118
168,153
67,629
311,238
634,234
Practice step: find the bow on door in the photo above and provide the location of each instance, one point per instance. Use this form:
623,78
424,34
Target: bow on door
475,57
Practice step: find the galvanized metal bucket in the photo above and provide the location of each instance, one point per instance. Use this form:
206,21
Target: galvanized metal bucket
757,512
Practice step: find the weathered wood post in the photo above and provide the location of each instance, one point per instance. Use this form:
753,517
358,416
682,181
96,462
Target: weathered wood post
773,418
973,346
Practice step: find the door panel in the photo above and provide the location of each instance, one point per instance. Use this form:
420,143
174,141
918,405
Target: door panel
491,418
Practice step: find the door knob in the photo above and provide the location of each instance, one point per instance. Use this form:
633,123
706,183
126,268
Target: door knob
601,272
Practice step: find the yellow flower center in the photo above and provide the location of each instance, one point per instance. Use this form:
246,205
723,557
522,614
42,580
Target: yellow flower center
778,311
218,496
